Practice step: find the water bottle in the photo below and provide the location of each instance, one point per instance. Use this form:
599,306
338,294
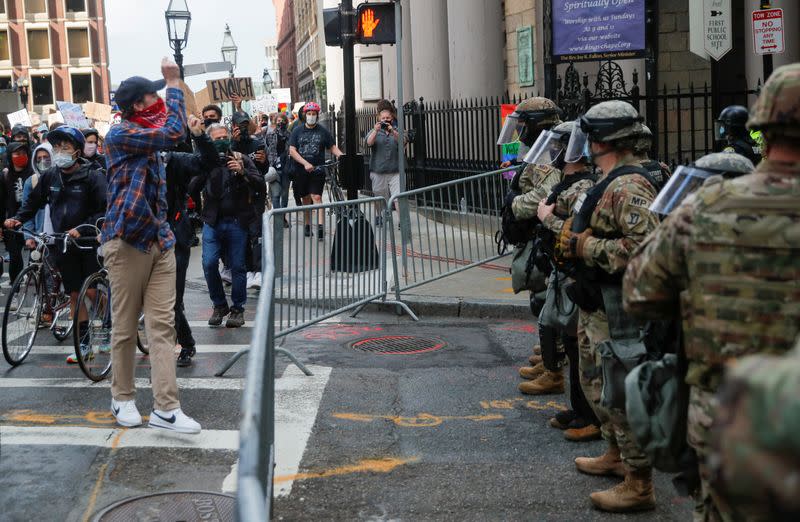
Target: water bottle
462,205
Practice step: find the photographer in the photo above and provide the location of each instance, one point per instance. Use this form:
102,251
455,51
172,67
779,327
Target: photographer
277,154
384,163
229,193
255,147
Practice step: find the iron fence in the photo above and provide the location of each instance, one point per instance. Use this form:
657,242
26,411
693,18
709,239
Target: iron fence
454,139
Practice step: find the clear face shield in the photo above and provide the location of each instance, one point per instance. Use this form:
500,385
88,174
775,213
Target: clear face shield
684,181
546,149
720,131
512,130
578,146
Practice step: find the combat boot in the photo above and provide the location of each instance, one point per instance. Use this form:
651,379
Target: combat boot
532,372
610,463
634,494
547,383
535,359
583,434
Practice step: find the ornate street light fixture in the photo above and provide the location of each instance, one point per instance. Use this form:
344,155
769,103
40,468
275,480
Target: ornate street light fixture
178,21
229,49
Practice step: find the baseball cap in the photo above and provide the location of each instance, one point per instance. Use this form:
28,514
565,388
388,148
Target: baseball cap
132,90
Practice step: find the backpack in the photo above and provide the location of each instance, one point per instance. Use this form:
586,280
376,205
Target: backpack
513,231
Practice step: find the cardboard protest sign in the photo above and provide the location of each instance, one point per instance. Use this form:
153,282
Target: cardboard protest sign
56,117
202,99
20,117
189,100
102,128
221,90
97,111
73,115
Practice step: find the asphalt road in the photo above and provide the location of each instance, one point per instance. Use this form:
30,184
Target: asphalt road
441,434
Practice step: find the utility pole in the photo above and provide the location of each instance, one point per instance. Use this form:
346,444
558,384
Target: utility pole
351,168
767,58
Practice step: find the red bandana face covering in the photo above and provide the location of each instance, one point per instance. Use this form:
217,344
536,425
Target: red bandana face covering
152,117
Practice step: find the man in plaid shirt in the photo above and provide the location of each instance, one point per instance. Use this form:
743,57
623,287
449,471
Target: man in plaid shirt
138,246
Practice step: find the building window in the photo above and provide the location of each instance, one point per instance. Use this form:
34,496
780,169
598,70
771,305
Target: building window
42,87
2,7
75,6
5,83
35,6
78,43
81,88
4,50
38,44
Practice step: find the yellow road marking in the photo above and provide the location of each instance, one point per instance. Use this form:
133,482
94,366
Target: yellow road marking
507,290
385,465
100,477
32,417
502,279
509,404
423,420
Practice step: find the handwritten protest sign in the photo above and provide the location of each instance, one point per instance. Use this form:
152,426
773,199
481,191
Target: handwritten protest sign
222,90
20,117
73,115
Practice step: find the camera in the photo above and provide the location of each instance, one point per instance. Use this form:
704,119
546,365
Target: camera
385,125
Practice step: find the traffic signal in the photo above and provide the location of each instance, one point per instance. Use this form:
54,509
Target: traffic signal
332,21
375,24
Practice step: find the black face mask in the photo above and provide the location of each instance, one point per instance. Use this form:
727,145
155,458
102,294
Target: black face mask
208,122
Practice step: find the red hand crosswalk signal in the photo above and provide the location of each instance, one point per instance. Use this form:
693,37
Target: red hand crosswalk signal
375,24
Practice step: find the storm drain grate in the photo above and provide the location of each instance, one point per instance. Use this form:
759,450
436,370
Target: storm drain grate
171,506
398,345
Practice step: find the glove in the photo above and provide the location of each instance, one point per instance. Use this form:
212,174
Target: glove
572,244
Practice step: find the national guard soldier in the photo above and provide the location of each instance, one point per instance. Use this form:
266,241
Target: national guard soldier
730,129
579,422
658,170
530,118
609,223
754,453
726,260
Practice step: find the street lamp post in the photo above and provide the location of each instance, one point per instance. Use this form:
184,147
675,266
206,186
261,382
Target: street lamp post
178,21
229,52
267,81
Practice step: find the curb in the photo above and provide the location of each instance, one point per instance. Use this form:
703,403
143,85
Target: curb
459,307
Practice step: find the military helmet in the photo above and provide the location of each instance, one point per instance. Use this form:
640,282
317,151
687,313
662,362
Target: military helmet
734,116
778,106
539,110
565,130
725,163
645,141
611,120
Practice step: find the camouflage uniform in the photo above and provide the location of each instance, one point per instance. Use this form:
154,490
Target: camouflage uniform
754,443
658,170
619,224
536,183
727,259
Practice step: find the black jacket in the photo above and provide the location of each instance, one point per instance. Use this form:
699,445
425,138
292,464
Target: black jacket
98,162
75,199
249,145
245,188
13,182
181,168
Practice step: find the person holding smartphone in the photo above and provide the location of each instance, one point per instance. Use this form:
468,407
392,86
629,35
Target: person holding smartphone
229,192
384,162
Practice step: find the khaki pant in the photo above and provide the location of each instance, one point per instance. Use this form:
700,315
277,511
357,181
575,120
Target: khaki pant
142,282
592,330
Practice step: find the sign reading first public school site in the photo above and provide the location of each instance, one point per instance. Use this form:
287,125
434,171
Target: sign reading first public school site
587,30
221,90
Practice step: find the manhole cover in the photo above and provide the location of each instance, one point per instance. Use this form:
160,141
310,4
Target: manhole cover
175,506
398,345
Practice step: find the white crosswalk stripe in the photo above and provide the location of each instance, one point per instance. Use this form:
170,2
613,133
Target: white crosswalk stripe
66,349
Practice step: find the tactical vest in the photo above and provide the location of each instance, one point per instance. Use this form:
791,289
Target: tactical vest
747,148
656,172
744,279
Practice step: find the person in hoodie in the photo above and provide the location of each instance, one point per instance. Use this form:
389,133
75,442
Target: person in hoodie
21,134
90,153
76,194
42,161
19,169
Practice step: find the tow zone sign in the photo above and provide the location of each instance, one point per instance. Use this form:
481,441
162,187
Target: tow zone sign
768,31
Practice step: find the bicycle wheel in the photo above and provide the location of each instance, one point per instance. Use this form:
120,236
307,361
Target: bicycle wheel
93,345
22,315
62,322
141,337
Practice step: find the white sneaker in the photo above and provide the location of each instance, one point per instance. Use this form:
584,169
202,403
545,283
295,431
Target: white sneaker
249,279
225,274
126,413
257,280
174,420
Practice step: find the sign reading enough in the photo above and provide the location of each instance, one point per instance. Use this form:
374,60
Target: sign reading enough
224,89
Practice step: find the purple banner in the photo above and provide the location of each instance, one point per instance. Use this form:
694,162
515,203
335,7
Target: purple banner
586,30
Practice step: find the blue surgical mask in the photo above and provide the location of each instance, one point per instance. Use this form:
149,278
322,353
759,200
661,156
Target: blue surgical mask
64,160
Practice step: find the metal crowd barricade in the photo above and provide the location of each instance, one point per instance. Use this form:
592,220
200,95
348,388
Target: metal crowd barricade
320,276
446,228
257,429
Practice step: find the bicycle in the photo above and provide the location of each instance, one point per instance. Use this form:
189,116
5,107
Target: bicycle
95,299
36,291
330,169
